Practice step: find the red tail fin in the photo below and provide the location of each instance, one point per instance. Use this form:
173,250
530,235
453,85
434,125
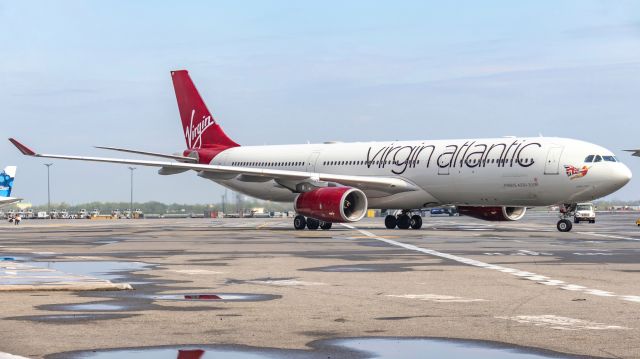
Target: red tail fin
200,128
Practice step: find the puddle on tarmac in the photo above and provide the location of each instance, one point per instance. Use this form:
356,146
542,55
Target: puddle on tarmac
219,297
109,270
381,348
354,268
93,307
69,318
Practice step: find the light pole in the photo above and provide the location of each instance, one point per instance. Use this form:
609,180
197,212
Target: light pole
131,207
48,190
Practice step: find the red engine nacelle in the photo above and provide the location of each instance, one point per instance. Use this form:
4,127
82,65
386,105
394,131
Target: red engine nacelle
332,204
493,213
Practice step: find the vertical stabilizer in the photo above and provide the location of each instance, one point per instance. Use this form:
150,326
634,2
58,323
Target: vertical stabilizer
199,126
6,180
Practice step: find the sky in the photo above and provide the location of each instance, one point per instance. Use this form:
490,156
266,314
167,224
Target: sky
78,74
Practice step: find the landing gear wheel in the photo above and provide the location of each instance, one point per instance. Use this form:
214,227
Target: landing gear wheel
404,222
593,221
325,225
299,222
390,222
416,221
564,225
313,223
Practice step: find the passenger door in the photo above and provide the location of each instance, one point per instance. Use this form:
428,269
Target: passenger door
311,161
552,165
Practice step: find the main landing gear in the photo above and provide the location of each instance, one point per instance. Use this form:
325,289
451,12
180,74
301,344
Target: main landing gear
300,222
404,220
567,211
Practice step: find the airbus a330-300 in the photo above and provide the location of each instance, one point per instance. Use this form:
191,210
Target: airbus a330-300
492,179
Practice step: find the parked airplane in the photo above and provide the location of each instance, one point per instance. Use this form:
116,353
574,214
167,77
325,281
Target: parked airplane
6,184
491,179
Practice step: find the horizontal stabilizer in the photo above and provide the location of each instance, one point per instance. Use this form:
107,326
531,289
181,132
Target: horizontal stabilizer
154,154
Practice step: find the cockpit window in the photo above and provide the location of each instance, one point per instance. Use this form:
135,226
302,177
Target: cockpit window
598,159
589,159
609,158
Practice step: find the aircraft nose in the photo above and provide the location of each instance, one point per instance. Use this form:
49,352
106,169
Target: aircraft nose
622,175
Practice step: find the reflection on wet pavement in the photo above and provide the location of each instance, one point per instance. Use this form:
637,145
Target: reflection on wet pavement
244,297
380,348
109,270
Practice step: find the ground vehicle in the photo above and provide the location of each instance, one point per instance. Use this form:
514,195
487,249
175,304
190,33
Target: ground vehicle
442,211
585,212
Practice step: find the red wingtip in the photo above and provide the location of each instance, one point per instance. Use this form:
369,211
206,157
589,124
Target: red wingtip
22,148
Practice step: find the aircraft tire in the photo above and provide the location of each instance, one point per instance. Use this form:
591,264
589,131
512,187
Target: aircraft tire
404,222
390,222
325,225
299,222
564,225
313,223
416,222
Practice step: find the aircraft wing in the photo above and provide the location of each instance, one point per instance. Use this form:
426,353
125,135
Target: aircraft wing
154,154
8,200
635,152
390,185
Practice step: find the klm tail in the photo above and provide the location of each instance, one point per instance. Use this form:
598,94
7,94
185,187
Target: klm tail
6,180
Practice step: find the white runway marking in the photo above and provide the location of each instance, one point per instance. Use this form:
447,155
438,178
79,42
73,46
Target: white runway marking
195,271
436,298
610,236
561,323
541,279
284,282
10,356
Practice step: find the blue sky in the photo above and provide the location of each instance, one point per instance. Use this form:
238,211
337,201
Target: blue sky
74,74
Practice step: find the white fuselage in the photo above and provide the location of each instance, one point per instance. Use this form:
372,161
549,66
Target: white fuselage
535,171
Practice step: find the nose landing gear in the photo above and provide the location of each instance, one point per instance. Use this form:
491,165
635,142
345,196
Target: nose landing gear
567,211
404,220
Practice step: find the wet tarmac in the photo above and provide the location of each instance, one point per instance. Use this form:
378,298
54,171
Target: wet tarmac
256,288
355,348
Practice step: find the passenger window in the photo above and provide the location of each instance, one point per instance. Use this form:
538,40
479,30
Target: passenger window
598,159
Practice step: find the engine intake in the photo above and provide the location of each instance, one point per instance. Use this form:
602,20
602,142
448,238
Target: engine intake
332,204
493,213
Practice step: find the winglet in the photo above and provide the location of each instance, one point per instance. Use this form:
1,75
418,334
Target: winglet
22,148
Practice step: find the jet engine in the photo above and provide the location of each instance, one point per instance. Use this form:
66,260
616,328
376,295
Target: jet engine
332,204
493,213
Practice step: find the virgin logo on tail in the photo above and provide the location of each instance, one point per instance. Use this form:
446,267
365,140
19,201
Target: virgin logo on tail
193,134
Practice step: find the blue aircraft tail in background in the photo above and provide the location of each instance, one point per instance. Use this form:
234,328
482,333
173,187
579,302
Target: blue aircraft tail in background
6,180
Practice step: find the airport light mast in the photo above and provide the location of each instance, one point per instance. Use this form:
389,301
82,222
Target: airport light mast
48,190
131,205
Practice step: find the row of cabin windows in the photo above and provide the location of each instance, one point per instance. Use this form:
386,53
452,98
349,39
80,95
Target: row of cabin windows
415,162
268,164
378,162
598,158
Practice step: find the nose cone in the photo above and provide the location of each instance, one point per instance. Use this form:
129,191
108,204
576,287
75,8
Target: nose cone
620,175
624,175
